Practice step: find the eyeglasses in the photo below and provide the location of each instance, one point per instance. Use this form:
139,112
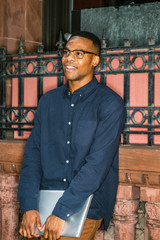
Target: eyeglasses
77,53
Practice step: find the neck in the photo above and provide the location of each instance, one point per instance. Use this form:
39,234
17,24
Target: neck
75,85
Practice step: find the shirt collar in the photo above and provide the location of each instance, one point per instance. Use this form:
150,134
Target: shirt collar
85,90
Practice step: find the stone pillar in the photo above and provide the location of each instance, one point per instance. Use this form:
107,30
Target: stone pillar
152,198
8,207
99,235
125,217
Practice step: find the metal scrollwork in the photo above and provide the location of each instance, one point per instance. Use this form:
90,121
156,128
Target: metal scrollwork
34,67
157,61
28,112
54,66
124,61
134,60
142,114
11,116
158,117
119,65
11,68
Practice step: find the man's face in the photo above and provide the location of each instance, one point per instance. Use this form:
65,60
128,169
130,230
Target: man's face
80,69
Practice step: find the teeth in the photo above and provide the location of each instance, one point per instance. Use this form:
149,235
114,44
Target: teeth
70,67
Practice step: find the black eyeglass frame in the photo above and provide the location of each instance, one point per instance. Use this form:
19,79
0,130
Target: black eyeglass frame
84,52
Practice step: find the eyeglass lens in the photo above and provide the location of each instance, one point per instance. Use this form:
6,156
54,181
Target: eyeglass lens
77,53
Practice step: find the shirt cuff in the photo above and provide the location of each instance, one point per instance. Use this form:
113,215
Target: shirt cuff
62,212
28,204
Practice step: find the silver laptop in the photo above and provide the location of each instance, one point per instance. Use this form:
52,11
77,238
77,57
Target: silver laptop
74,225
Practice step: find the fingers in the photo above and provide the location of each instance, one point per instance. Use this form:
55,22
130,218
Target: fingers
51,235
38,222
25,232
41,229
29,220
45,234
32,226
53,227
29,235
32,231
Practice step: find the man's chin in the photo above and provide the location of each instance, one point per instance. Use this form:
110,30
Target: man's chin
71,77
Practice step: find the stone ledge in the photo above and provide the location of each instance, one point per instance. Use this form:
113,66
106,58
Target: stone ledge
139,178
139,165
135,166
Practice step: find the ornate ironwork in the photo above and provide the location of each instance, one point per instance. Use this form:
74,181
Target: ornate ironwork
48,64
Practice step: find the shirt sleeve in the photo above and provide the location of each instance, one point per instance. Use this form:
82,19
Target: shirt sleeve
31,171
97,163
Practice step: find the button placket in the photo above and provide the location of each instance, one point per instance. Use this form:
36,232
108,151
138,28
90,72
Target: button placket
71,106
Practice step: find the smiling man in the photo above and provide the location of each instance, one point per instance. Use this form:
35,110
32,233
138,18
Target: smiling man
73,146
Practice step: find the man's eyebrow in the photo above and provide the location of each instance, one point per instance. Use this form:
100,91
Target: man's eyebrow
73,49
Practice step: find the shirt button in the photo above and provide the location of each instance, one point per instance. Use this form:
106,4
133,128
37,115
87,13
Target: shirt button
67,161
68,215
80,95
69,123
69,93
64,180
68,142
72,105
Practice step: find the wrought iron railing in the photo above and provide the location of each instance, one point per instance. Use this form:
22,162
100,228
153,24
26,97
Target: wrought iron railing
124,62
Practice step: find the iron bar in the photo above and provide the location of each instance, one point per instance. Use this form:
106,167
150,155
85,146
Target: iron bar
2,93
17,66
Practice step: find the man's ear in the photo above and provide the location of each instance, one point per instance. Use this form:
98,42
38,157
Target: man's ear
96,60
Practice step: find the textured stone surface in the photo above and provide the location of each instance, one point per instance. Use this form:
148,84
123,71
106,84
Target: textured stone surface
33,20
109,234
99,235
127,193
20,18
137,23
125,212
153,220
8,207
150,195
13,18
128,196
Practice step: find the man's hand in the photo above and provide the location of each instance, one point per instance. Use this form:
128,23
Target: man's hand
53,227
29,220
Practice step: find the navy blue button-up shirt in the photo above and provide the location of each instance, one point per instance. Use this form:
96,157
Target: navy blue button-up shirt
74,147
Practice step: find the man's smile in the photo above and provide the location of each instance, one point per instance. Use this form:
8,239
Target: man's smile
69,67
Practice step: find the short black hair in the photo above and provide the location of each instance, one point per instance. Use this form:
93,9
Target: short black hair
96,41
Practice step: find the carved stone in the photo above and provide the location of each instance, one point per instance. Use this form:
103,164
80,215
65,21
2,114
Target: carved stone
150,194
99,235
8,207
153,220
125,216
135,171
152,206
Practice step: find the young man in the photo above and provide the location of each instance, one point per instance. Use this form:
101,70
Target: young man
73,146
